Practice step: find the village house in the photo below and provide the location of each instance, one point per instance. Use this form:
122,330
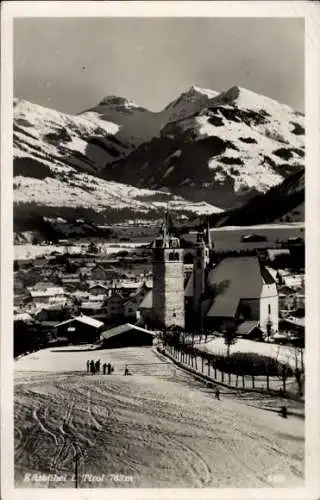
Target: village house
115,305
80,329
125,287
95,309
290,299
70,281
126,335
46,295
293,327
99,273
85,273
99,289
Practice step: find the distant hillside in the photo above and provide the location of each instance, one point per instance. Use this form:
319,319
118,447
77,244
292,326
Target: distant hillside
282,203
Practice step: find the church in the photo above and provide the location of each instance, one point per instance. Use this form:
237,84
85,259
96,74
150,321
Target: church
193,290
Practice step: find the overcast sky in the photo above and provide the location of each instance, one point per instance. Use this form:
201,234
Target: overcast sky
71,64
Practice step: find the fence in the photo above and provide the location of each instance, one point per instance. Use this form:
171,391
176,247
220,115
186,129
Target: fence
206,365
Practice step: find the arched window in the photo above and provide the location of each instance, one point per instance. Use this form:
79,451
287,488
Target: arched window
171,256
269,309
176,256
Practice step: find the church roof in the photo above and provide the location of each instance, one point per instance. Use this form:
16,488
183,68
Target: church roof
246,327
147,301
237,276
223,307
232,279
188,291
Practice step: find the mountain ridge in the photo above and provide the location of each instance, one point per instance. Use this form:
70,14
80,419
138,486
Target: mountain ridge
207,150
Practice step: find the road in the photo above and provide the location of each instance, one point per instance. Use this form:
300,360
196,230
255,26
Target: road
156,428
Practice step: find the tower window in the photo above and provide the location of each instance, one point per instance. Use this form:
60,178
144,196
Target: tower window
174,315
269,309
174,256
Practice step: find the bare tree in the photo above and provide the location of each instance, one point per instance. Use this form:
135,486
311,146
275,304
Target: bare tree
299,365
230,338
284,371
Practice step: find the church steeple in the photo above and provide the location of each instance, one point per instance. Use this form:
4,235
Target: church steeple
168,277
166,238
208,235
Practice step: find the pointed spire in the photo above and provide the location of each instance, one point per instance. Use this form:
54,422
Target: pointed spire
208,235
164,227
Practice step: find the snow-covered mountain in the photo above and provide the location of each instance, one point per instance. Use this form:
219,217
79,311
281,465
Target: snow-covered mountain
284,203
204,152
57,139
57,159
137,125
222,148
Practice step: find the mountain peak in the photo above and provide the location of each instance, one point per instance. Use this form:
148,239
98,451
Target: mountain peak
119,102
247,99
190,101
194,90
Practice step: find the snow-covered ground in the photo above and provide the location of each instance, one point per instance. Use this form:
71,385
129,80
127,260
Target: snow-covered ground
229,237
284,354
156,428
30,251
87,191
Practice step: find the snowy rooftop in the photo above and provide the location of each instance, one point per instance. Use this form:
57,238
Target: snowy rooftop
87,320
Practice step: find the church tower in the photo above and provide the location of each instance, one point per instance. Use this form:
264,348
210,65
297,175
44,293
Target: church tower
201,261
168,279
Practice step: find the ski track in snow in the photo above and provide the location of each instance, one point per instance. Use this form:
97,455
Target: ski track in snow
160,426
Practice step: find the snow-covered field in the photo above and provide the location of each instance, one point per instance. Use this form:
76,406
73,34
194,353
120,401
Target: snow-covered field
229,237
86,191
290,225
30,251
156,428
285,354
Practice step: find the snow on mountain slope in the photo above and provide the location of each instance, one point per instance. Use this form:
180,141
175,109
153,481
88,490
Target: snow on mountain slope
284,203
45,135
237,145
189,102
56,158
137,124
211,150
87,191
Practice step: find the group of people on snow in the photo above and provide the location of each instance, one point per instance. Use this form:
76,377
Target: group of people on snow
107,368
95,367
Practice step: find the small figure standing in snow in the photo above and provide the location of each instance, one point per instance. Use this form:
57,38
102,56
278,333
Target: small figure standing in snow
217,394
126,370
88,366
284,412
109,368
104,367
97,366
92,367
